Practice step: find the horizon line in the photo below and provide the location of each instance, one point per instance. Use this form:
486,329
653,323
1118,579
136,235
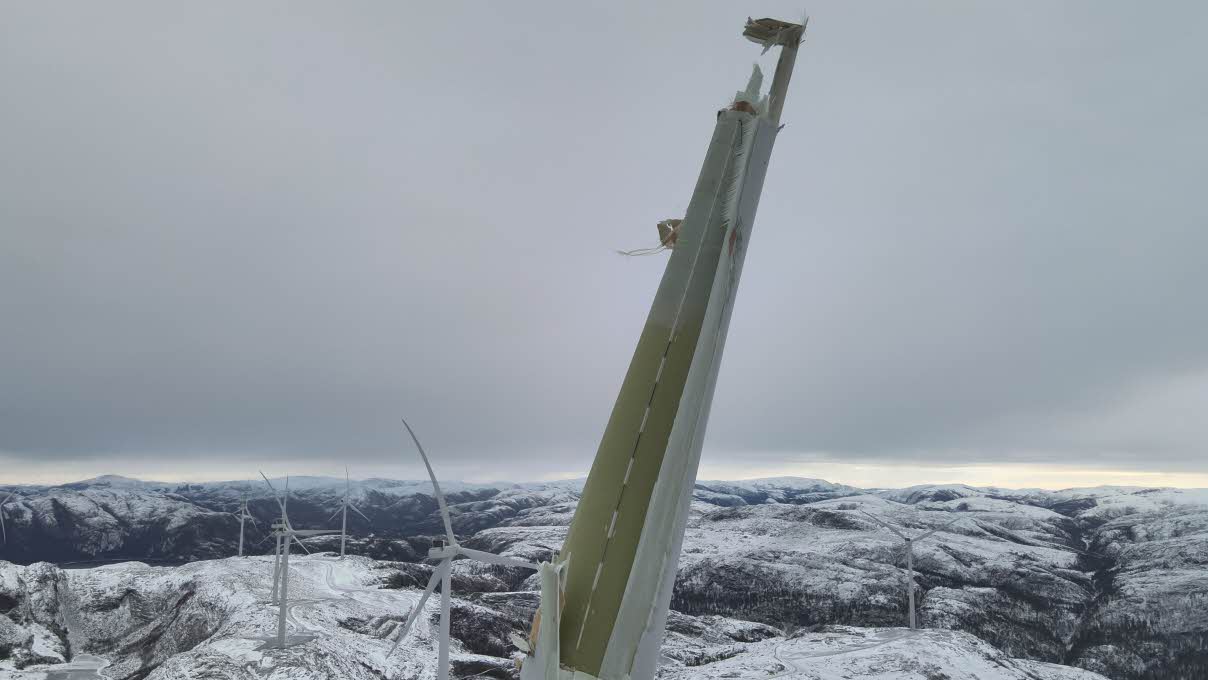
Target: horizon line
563,479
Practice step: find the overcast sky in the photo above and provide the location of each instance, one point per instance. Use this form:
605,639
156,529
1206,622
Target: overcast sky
236,235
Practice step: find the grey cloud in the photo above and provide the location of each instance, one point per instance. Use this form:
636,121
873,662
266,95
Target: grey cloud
268,232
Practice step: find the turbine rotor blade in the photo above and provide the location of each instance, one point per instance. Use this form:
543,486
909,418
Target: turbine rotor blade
299,542
929,533
333,515
887,526
3,530
419,607
926,535
440,497
276,497
495,559
358,511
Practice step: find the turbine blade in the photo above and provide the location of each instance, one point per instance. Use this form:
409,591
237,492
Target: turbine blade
419,607
887,526
3,530
358,511
334,514
496,559
253,519
440,497
926,535
276,497
299,542
265,539
929,533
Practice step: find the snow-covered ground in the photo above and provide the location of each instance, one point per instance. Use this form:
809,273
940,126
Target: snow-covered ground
1111,579
209,619
843,653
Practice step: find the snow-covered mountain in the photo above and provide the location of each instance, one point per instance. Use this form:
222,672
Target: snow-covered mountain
1108,579
208,620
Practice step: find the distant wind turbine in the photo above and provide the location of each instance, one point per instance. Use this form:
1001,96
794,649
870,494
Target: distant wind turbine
345,504
3,531
284,505
442,574
910,556
285,534
243,514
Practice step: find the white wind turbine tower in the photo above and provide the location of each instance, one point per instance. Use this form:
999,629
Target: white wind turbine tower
442,574
3,531
345,504
278,535
910,556
284,534
243,515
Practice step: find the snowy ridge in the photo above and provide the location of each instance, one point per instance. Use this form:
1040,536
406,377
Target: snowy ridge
843,652
1110,579
207,619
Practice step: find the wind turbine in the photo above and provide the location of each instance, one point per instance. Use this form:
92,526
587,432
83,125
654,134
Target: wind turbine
3,531
344,505
442,574
910,555
243,514
280,535
285,534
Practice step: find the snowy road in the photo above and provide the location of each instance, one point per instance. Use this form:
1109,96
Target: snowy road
789,657
339,579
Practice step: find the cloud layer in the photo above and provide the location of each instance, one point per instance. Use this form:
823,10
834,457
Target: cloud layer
258,234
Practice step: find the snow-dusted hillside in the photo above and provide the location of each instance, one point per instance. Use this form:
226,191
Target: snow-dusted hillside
1107,579
1111,579
206,619
842,653
115,518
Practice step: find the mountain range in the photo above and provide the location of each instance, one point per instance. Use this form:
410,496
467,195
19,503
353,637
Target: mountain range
1111,580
